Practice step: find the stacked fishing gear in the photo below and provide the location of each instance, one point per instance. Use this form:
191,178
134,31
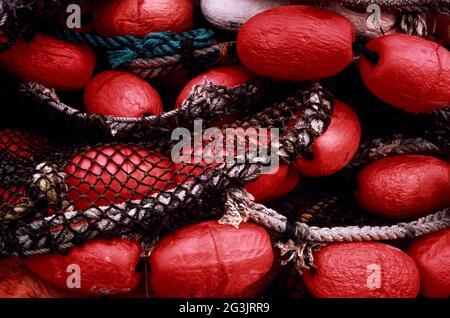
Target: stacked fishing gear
241,148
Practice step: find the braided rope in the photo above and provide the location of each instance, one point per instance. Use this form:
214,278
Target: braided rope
125,48
376,149
414,23
149,215
157,67
303,240
277,223
3,14
442,115
209,102
413,5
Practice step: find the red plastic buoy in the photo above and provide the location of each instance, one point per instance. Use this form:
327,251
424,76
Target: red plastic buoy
406,186
212,260
363,270
16,281
432,256
140,17
336,147
51,62
289,183
412,73
227,76
19,143
265,186
121,94
115,174
296,43
99,267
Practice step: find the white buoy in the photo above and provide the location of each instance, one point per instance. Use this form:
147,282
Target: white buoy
231,14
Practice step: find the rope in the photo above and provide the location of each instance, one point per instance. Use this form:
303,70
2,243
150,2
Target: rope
209,102
380,148
304,240
3,14
417,5
277,223
165,209
160,66
414,23
442,115
125,48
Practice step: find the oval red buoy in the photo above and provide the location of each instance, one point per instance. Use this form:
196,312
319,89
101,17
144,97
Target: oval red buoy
115,174
406,186
212,260
363,270
121,94
432,256
297,43
140,17
336,147
99,267
51,62
412,73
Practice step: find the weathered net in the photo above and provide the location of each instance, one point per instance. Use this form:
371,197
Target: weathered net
60,188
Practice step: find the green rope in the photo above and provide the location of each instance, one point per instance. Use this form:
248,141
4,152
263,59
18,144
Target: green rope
125,48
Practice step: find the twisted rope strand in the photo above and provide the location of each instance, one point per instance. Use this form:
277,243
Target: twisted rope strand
160,66
277,224
442,5
380,148
125,48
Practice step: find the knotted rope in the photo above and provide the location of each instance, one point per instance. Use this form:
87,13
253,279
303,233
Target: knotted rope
125,48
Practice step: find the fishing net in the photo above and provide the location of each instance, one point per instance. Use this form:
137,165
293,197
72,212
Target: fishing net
67,177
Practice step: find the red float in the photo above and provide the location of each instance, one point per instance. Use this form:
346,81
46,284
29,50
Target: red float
121,94
363,270
19,143
406,186
432,255
336,147
16,281
12,195
297,43
412,73
264,187
212,260
115,174
289,184
140,17
197,161
99,267
51,62
227,76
